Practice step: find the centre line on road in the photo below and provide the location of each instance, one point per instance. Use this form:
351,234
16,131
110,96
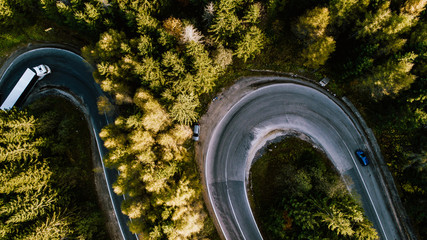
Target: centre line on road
367,191
228,195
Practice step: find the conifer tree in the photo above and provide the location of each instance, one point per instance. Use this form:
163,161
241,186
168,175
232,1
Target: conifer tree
316,53
184,109
344,12
390,77
25,195
312,24
251,44
312,29
226,23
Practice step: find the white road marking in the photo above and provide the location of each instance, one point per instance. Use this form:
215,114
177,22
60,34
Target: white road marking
367,190
106,118
208,164
209,192
229,200
108,184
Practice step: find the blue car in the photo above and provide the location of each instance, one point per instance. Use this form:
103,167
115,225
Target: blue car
362,157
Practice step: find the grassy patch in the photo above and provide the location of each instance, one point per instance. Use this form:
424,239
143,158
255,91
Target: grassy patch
43,31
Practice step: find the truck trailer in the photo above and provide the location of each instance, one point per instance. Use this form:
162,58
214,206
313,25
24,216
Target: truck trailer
27,80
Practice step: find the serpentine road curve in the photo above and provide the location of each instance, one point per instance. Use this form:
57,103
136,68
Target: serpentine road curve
271,107
71,76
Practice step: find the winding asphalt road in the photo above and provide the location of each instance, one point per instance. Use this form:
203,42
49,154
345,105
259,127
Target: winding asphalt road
267,112
272,108
71,73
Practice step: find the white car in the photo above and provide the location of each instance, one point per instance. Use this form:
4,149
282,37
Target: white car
42,70
196,131
324,82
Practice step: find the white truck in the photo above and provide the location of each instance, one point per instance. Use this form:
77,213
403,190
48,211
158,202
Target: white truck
27,80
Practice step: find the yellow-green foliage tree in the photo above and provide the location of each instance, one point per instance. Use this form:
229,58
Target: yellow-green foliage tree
230,23
386,53
418,40
311,28
149,151
26,199
173,72
39,175
318,52
91,15
387,28
226,24
17,12
384,24
104,105
344,12
184,110
251,44
312,24
391,77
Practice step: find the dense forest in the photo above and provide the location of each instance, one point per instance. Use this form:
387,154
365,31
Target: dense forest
47,188
298,194
163,60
